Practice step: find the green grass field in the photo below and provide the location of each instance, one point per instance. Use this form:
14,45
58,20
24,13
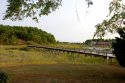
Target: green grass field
25,65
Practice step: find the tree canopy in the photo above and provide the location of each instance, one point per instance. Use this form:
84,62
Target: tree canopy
20,9
119,47
115,24
24,35
114,20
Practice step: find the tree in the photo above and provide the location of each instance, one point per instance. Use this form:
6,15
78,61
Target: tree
3,77
23,35
119,47
115,24
20,9
114,20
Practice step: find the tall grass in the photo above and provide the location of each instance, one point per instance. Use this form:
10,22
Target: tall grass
18,55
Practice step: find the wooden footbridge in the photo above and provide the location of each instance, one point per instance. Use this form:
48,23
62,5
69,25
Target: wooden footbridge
97,53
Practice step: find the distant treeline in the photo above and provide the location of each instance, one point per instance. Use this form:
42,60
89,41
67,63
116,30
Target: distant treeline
24,35
98,40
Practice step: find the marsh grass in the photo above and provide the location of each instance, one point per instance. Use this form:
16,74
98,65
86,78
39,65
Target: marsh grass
22,55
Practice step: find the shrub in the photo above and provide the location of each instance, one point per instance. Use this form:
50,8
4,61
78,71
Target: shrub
3,77
119,47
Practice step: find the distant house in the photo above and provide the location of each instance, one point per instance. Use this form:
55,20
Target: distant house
103,44
99,42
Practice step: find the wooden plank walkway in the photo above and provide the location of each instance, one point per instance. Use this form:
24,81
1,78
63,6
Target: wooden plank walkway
97,53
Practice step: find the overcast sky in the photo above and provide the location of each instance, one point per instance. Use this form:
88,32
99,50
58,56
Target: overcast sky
64,23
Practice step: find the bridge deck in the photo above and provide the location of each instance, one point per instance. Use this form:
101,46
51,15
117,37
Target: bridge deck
104,54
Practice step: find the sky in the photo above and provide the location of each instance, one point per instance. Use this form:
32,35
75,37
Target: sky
64,23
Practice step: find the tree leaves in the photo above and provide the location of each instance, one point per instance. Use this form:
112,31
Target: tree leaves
89,2
114,21
22,35
20,9
119,46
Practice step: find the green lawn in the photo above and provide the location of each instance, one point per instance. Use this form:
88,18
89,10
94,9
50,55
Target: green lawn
65,73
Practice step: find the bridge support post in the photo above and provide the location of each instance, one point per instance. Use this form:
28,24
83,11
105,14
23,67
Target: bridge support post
107,59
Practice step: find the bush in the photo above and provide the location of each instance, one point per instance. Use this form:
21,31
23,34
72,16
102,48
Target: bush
119,47
3,77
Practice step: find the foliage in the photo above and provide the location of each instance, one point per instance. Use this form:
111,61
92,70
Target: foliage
119,47
98,40
115,24
3,77
24,35
20,9
89,2
114,20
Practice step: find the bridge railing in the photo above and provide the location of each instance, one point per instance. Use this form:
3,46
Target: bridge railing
99,53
